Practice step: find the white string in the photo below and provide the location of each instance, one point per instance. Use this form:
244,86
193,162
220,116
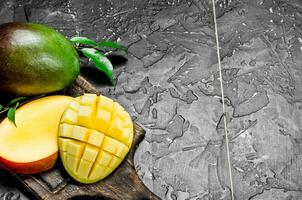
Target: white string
223,105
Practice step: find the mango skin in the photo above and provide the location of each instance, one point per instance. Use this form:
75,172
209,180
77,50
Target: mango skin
35,59
34,167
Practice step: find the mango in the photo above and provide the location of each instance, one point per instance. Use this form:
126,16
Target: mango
35,59
31,146
95,135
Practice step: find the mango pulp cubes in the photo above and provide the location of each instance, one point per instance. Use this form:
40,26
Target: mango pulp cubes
95,135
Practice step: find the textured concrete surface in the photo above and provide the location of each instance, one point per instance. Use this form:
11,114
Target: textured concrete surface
170,85
261,43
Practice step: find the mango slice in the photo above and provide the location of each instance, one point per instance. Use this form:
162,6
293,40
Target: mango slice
95,135
31,146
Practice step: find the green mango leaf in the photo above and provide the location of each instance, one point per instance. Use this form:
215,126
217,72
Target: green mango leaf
100,61
83,40
18,99
11,113
112,45
1,107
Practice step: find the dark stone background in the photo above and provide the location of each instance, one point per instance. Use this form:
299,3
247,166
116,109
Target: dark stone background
170,85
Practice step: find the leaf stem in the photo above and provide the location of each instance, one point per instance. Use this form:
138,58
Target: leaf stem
6,108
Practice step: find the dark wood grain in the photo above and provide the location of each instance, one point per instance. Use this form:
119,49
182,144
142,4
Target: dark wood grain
122,184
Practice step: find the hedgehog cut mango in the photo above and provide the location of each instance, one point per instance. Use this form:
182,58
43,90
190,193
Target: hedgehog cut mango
95,135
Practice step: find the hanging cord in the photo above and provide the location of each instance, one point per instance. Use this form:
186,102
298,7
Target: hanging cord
223,105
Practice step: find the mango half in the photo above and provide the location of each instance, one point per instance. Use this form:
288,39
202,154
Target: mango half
95,135
31,146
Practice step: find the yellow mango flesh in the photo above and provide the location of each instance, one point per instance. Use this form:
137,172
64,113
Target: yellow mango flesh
95,135
35,136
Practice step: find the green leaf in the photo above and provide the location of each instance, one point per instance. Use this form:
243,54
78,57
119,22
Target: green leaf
18,99
100,60
83,40
1,107
112,45
11,113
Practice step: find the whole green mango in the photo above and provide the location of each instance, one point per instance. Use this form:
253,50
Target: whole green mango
35,59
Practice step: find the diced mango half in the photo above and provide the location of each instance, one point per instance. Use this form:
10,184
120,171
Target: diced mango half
95,135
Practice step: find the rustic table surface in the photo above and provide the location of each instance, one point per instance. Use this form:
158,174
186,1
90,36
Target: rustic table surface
170,85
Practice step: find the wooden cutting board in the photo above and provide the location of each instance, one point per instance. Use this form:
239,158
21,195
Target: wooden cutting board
122,184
